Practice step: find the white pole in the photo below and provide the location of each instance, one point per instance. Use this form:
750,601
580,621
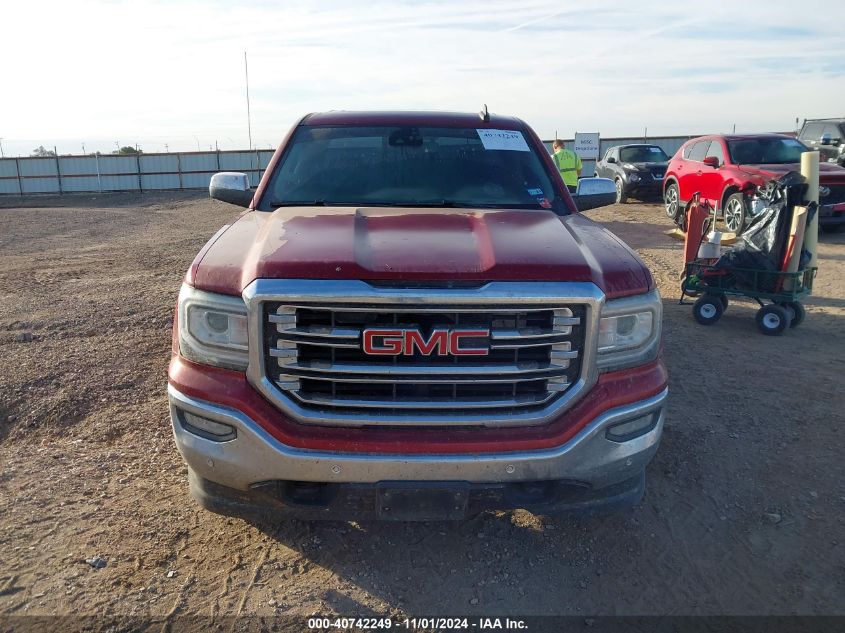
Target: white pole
810,171
248,116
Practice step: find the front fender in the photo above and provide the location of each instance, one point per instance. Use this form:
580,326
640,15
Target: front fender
733,186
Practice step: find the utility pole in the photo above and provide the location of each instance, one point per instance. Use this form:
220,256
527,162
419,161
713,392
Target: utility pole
248,116
2,155
83,149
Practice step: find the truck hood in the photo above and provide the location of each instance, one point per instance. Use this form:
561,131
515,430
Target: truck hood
827,171
417,245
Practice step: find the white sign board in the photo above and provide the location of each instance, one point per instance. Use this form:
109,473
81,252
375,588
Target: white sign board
586,144
511,140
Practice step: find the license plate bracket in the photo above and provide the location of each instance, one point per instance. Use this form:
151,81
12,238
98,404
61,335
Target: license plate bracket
422,501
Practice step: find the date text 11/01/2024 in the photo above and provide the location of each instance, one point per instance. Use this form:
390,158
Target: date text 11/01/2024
412,624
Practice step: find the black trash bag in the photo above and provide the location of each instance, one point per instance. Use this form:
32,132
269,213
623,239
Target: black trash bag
763,271
762,244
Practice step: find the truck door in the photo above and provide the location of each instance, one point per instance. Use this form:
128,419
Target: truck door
688,175
712,179
602,167
829,142
811,135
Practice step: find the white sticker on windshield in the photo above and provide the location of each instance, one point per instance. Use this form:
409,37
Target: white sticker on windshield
654,150
511,140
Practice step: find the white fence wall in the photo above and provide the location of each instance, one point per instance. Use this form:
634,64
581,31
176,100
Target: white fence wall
183,170
143,172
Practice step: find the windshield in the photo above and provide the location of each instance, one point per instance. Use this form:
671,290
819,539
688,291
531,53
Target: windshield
760,151
643,154
411,166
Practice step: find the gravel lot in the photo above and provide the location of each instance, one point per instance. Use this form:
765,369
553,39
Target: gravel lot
743,513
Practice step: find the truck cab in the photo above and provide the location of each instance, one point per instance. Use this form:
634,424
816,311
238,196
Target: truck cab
826,136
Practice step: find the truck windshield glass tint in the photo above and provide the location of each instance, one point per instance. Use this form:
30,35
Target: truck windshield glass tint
760,151
643,154
407,166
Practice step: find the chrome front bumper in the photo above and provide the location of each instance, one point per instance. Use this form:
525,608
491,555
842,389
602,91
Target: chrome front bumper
255,456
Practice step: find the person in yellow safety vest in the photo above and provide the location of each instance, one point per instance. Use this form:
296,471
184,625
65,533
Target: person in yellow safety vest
568,164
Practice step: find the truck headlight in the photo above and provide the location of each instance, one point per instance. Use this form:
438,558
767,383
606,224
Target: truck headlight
629,331
213,328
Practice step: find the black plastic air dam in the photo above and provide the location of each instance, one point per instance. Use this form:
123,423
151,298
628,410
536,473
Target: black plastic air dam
411,501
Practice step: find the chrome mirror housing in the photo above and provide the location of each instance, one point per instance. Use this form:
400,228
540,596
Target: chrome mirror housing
231,187
593,193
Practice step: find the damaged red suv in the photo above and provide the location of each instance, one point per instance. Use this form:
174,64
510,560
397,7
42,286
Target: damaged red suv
727,170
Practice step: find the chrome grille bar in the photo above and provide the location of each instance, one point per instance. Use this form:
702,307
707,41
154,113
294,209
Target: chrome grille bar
427,380
405,309
344,369
491,403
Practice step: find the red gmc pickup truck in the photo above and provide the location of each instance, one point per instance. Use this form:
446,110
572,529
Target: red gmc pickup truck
412,320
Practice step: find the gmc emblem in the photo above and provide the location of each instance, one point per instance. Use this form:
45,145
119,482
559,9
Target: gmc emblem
401,342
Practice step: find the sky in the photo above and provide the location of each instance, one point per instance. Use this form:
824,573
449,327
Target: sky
169,75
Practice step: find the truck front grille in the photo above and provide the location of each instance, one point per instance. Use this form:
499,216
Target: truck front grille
520,358
315,354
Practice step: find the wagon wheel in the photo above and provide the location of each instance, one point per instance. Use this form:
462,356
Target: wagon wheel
708,309
772,319
797,311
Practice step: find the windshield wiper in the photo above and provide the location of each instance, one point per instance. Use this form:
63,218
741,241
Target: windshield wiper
375,203
451,204
439,204
444,204
299,203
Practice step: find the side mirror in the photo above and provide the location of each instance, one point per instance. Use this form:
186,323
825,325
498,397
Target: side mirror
593,193
711,161
611,159
231,187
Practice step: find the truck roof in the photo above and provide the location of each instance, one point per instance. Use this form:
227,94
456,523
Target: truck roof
435,119
741,137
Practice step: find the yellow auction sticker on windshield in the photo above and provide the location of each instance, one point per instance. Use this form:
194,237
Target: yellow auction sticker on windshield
511,140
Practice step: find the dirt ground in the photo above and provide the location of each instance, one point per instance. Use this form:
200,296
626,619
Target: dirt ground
744,511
